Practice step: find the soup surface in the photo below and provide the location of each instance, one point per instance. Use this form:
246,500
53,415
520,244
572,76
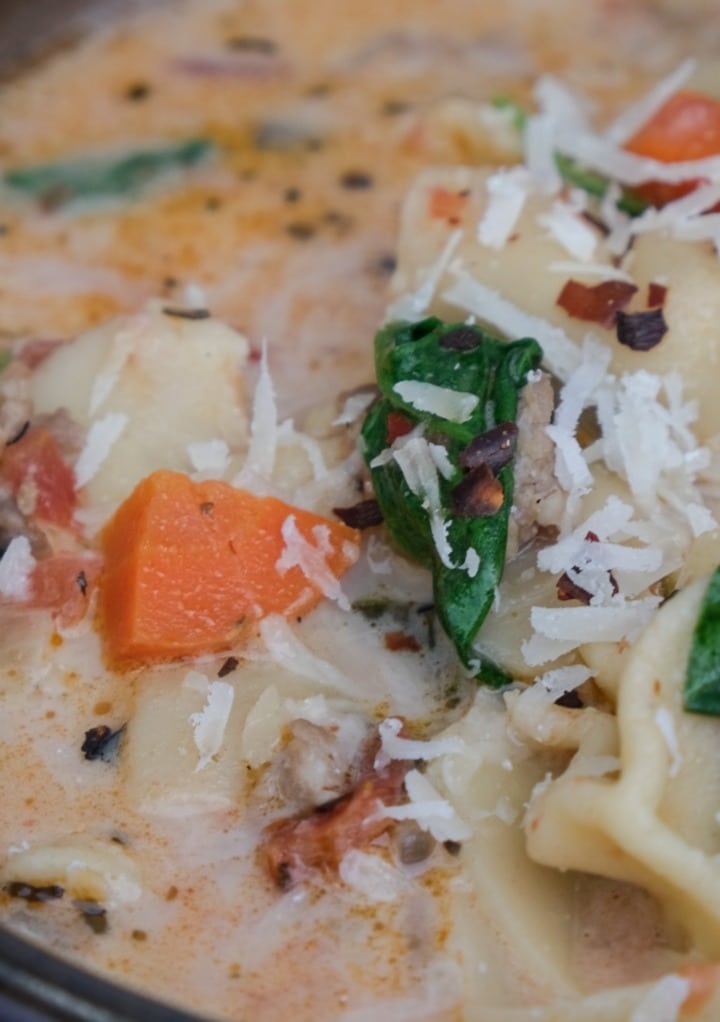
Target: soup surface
298,799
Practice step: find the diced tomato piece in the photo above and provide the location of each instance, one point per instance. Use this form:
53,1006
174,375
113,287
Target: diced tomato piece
447,205
397,425
34,461
63,584
686,127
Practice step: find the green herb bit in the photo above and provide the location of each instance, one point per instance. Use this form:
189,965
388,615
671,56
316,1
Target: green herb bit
570,170
6,357
470,362
519,116
596,185
100,176
702,680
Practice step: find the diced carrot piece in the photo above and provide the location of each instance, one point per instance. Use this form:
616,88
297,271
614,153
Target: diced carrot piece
686,127
190,567
35,461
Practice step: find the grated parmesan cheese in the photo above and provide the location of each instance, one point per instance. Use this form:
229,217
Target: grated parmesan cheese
507,191
561,354
561,629
663,1001
311,558
209,724
101,436
209,456
394,747
263,426
453,405
634,116
355,405
429,809
16,568
414,306
564,223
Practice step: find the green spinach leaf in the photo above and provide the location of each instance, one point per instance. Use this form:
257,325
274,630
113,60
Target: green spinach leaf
103,176
702,680
465,554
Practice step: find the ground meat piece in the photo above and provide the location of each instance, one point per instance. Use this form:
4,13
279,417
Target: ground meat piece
315,765
296,848
537,492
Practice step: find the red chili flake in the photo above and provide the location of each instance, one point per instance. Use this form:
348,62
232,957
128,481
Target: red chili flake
363,515
656,295
400,642
597,303
447,205
568,590
478,494
397,425
495,447
641,331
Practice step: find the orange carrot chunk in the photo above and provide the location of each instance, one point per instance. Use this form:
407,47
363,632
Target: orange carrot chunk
686,127
190,567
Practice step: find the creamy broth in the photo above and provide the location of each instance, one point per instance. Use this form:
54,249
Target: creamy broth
320,117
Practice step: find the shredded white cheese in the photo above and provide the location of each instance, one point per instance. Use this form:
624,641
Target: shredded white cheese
561,354
101,437
507,191
16,568
415,305
633,117
311,559
663,1001
453,405
355,405
209,724
394,747
566,226
209,456
429,809
264,424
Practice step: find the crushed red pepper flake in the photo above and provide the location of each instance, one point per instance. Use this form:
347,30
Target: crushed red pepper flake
568,589
363,515
495,447
657,293
479,494
401,642
397,425
595,303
